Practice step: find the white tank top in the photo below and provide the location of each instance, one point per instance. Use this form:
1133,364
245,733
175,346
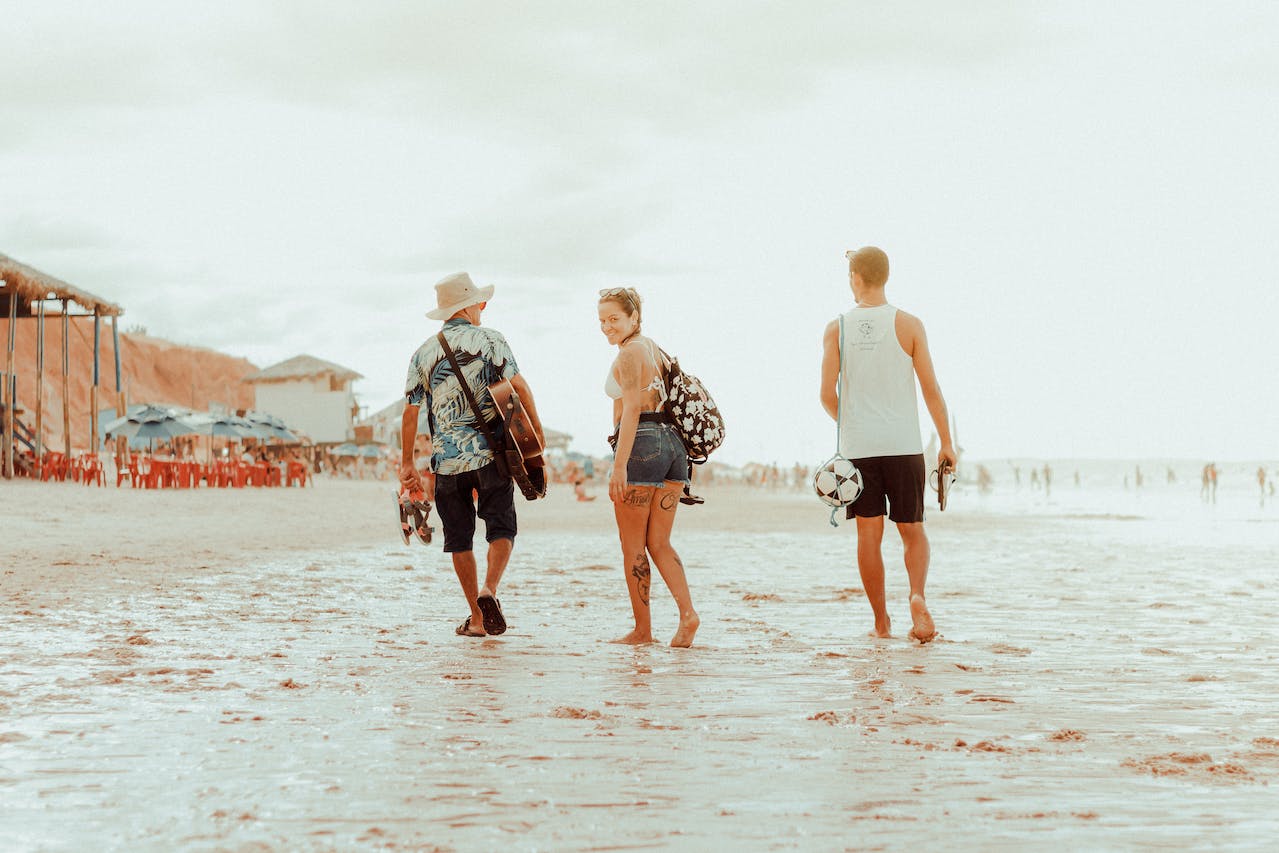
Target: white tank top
878,408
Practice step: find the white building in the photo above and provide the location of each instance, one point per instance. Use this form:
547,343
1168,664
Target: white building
387,423
311,395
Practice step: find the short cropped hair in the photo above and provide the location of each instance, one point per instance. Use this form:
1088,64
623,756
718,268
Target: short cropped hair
871,263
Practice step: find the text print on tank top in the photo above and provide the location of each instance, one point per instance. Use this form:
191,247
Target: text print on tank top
868,334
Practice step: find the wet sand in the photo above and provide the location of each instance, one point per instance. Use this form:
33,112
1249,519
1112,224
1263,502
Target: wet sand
275,670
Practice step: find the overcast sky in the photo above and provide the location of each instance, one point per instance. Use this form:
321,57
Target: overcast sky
1079,199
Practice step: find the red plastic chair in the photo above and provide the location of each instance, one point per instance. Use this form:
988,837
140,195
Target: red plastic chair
91,470
297,471
54,466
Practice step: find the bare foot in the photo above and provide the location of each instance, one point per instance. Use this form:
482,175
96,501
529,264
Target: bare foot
635,638
884,631
923,628
687,628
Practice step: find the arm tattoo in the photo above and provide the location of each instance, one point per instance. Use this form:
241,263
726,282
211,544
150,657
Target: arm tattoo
628,370
642,574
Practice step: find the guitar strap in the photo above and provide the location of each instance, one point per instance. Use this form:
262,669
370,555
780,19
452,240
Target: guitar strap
475,407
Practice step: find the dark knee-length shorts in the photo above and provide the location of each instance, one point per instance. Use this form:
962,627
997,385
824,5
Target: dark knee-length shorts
892,486
457,505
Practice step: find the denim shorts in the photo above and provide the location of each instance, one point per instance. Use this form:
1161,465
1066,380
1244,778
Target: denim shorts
457,506
657,456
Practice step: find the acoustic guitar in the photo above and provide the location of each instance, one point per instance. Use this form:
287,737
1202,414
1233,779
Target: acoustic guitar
523,449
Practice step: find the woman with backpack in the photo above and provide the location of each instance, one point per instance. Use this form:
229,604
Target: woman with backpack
650,465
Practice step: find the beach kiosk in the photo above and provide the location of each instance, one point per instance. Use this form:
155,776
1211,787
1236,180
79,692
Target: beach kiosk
26,297
311,395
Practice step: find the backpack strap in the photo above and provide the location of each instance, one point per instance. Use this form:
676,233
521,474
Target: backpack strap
839,389
839,409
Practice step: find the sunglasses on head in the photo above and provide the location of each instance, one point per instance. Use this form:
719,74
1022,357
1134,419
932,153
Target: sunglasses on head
610,292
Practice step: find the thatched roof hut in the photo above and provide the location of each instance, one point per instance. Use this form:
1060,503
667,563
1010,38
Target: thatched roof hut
32,285
21,288
303,367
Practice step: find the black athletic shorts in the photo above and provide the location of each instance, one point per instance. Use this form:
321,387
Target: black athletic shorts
897,481
457,506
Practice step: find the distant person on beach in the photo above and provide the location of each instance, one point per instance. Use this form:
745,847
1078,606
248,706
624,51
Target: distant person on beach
1048,480
464,479
1261,482
1212,482
874,371
650,466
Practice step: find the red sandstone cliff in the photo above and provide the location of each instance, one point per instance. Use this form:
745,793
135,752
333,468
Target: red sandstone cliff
152,371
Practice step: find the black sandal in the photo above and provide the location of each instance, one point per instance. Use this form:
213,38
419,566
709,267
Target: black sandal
405,527
494,621
941,480
421,512
465,629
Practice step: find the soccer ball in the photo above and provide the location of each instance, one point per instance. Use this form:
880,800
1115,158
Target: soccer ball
837,482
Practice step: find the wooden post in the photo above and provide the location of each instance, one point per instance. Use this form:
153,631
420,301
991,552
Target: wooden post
121,409
39,384
93,393
66,384
9,386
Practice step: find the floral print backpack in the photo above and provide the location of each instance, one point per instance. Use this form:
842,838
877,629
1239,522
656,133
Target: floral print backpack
693,412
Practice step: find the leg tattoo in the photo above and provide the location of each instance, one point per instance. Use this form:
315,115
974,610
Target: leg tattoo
638,497
669,499
643,575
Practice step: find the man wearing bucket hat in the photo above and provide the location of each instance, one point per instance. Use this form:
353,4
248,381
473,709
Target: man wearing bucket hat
463,465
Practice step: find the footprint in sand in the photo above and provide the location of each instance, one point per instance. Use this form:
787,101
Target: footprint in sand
1005,649
565,712
1193,764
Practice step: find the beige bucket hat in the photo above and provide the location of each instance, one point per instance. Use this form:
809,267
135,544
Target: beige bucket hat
455,292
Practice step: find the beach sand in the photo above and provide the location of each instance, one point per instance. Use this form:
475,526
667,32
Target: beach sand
273,669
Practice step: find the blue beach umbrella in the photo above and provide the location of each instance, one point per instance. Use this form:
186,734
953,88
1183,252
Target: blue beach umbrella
220,426
146,424
149,422
276,428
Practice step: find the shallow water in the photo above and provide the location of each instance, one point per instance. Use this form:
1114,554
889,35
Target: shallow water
1098,682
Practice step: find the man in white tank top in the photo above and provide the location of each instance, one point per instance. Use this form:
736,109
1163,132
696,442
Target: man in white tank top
884,351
